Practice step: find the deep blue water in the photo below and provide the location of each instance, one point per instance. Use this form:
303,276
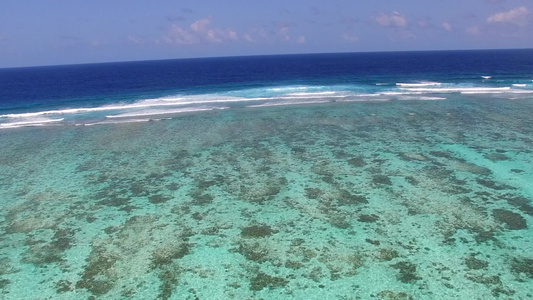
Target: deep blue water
348,75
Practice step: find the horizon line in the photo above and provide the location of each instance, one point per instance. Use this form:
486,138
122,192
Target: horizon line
258,55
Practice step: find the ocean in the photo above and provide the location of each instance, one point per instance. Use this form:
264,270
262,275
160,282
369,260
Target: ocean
393,175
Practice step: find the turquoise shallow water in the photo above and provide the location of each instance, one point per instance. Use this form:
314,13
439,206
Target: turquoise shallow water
374,200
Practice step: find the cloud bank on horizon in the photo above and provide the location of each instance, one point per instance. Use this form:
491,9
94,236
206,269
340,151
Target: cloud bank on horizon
64,32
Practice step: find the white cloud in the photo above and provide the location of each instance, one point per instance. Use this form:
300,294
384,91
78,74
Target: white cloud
247,37
232,35
283,33
473,30
135,40
200,26
516,16
255,34
350,38
447,26
180,36
393,20
198,32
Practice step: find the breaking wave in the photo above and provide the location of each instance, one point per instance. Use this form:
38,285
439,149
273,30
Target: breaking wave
285,95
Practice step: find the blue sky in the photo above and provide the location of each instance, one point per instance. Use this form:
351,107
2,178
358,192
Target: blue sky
74,31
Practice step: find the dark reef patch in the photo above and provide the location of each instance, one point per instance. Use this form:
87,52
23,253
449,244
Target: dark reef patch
486,280
412,180
253,251
484,236
407,271
4,283
112,199
495,157
41,253
267,191
257,231
475,264
346,198
62,239
98,277
138,189
63,286
165,256
339,221
381,179
168,283
358,161
368,218
522,203
201,198
522,265
391,295
298,149
501,290
262,280
373,242
173,186
158,198
313,193
493,185
387,254
513,220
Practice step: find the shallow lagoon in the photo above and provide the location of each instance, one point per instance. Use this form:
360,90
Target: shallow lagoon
374,200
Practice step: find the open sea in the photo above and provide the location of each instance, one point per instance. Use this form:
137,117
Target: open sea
398,175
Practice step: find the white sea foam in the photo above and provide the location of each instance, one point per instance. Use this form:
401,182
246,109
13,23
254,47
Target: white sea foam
285,103
307,97
176,101
255,97
486,77
365,99
420,98
312,94
419,84
30,123
288,88
368,95
463,90
117,121
148,103
159,112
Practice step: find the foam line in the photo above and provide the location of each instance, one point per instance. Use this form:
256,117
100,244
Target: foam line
421,84
408,98
460,90
268,104
29,123
311,94
162,112
118,121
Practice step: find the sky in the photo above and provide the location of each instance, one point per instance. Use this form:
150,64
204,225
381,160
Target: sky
54,32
